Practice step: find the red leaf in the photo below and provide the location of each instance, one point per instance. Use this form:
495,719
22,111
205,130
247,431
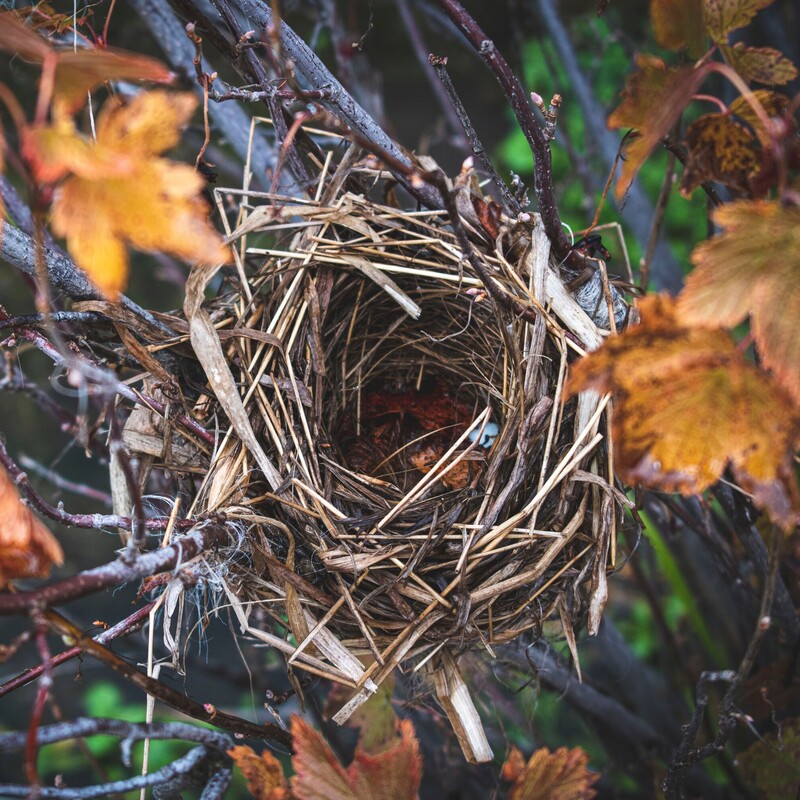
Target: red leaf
394,774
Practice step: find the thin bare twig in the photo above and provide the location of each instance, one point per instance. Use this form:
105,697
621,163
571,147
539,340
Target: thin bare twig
177,700
658,219
439,65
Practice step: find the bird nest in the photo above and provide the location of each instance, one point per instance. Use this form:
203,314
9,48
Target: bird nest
395,444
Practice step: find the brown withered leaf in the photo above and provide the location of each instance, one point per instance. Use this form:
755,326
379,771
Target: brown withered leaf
263,773
395,773
774,104
44,17
723,16
678,25
752,267
719,149
424,459
116,191
687,404
27,548
652,100
760,64
559,775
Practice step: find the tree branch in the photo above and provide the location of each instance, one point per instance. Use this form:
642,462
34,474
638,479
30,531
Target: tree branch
123,628
317,76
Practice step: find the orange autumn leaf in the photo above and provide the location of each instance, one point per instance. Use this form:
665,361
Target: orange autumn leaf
723,16
27,548
263,773
760,64
678,25
117,192
16,37
513,766
395,773
652,100
719,149
78,72
559,775
687,404
752,267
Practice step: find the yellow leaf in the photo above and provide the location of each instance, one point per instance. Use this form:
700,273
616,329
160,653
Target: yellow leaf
719,149
559,775
752,267
27,548
723,16
687,404
652,100
117,191
760,64
678,25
